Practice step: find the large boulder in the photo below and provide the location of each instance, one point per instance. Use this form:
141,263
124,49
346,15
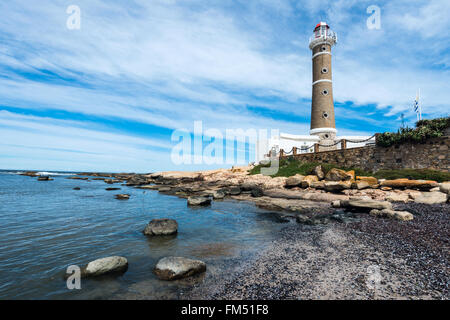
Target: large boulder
336,186
431,197
398,215
308,180
410,184
338,175
360,185
105,266
294,181
172,268
161,227
370,180
365,204
199,201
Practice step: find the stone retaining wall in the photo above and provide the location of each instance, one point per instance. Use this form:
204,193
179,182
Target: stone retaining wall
434,154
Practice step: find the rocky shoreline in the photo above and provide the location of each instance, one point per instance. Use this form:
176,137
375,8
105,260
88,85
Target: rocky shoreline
349,237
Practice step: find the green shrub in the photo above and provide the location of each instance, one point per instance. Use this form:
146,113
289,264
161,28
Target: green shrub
425,129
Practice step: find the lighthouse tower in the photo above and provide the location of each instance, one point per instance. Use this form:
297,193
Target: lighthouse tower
322,107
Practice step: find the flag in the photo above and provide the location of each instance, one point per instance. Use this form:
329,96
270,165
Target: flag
416,104
417,107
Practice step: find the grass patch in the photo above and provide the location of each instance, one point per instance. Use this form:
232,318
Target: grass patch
290,167
414,174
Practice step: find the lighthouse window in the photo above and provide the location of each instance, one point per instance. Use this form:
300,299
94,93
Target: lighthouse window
325,70
325,92
325,115
327,136
324,48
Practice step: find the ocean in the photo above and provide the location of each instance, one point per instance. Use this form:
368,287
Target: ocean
46,226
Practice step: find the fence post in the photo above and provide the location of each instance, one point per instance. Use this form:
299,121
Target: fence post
316,147
343,144
376,138
294,151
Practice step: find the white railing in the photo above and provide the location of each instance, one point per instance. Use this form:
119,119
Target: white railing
323,35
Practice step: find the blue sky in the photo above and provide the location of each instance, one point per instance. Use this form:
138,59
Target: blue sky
107,97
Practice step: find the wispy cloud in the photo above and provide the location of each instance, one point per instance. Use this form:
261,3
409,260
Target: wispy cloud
165,64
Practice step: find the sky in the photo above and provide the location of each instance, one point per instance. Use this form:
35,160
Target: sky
108,96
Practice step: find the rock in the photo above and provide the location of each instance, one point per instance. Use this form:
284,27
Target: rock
431,198
172,268
77,188
217,195
318,171
161,227
257,192
365,204
112,189
199,201
105,266
294,181
398,197
445,187
164,189
233,191
336,186
386,188
122,196
248,186
435,189
336,204
352,174
318,185
398,215
30,174
360,185
306,182
78,178
414,184
337,175
369,180
301,195
44,178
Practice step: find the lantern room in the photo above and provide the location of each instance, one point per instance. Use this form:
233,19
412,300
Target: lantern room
322,33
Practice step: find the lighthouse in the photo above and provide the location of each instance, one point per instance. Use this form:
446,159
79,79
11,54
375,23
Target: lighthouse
322,106
322,135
